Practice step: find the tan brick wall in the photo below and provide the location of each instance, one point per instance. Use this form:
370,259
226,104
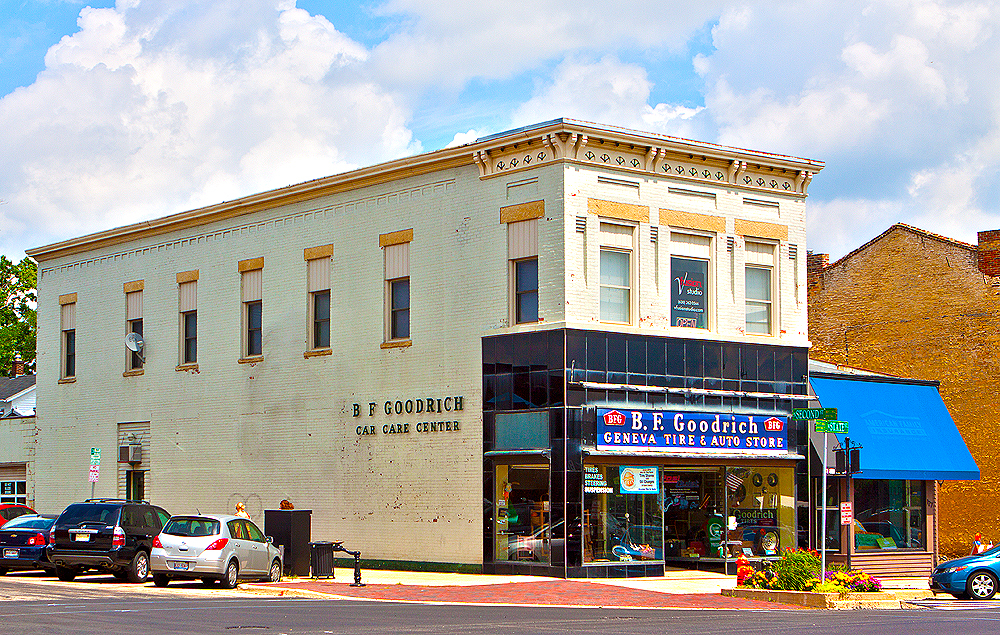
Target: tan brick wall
916,306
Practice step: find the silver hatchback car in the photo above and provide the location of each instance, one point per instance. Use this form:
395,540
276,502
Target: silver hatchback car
213,547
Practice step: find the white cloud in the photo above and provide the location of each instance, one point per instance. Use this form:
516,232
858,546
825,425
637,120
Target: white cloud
462,138
606,91
156,107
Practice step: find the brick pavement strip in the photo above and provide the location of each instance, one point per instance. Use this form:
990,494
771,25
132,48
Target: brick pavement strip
545,593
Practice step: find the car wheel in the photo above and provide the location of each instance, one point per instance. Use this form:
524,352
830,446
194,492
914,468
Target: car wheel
982,585
232,575
160,579
65,574
275,571
138,570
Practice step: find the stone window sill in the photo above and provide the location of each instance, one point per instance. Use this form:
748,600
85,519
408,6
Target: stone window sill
183,367
397,344
68,380
250,360
134,373
319,352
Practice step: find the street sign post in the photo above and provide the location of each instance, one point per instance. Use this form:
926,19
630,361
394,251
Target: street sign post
839,427
827,414
95,468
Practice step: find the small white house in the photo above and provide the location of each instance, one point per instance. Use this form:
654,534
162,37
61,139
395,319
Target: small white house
18,395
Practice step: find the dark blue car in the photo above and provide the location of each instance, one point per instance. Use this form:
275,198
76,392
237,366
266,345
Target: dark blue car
22,543
973,577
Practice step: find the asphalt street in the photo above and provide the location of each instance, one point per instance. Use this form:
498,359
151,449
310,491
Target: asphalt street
98,604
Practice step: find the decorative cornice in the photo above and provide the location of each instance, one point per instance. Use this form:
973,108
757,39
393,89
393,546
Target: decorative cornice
514,150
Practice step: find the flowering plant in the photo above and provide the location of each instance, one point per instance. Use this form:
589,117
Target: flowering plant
844,581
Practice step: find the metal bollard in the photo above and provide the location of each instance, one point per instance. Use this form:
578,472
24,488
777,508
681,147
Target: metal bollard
339,546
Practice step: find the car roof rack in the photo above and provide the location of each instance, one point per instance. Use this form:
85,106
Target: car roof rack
116,500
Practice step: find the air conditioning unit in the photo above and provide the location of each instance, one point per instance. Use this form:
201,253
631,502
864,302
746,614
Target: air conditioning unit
131,453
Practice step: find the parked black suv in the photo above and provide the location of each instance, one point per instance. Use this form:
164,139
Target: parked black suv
107,534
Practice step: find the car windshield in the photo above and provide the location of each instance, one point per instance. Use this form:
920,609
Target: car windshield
191,526
90,513
30,523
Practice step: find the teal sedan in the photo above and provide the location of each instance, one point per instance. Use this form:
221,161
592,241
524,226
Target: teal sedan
974,577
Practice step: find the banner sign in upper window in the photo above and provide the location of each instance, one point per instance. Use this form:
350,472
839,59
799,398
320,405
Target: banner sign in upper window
691,432
689,293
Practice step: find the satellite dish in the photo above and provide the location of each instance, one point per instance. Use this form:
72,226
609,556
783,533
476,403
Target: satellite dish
134,342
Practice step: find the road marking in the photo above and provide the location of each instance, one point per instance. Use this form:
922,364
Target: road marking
956,605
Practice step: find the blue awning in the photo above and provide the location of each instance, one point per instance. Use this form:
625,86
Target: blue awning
905,428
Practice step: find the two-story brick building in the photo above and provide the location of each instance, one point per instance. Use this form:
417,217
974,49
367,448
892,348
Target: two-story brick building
569,349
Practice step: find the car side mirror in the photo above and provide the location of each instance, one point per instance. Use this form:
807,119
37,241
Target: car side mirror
270,540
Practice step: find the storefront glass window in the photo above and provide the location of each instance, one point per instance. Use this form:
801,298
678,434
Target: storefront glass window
832,512
521,510
761,507
622,518
889,515
694,512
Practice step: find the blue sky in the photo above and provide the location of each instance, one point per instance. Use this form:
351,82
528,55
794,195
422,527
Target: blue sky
115,112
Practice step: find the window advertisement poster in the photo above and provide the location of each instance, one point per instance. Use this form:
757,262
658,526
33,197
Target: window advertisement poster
689,293
639,480
655,431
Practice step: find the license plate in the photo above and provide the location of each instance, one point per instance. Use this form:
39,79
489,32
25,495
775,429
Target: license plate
81,537
180,566
10,553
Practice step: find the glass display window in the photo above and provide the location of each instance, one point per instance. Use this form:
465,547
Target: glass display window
693,512
521,510
889,514
761,510
622,518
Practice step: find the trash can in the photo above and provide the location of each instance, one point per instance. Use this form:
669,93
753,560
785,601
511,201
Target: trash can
321,558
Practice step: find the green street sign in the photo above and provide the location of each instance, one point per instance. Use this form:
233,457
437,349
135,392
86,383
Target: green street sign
840,427
827,414
95,452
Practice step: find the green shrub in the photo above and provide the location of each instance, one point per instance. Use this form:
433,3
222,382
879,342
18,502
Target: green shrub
795,567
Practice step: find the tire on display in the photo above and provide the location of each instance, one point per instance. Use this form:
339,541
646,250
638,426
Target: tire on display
275,571
66,574
138,570
160,579
230,580
982,585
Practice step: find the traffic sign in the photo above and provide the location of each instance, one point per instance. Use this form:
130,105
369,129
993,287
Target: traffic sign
840,427
95,473
814,413
846,513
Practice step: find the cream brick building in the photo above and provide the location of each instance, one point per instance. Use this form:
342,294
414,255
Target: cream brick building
401,421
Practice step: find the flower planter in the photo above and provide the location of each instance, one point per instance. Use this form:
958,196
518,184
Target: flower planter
867,600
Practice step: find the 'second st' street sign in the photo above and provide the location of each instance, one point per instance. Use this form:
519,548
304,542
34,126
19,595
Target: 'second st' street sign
827,414
840,427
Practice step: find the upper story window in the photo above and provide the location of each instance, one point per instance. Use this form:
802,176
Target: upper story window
133,322
187,287
252,272
616,273
522,252
397,287
690,262
67,325
759,282
318,286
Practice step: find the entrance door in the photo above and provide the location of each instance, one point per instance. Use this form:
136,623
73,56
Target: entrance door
135,485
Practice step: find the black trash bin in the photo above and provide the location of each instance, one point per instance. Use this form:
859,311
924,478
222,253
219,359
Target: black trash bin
291,528
321,558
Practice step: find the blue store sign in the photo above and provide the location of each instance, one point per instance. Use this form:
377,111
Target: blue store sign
694,432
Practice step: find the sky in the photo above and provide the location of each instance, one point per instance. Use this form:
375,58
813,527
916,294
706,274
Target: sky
117,112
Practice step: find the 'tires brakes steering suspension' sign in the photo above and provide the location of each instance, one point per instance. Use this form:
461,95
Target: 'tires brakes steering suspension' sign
691,432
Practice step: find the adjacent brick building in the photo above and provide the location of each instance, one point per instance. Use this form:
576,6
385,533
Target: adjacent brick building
915,304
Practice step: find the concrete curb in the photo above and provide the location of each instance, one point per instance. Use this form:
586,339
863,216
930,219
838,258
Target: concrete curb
895,599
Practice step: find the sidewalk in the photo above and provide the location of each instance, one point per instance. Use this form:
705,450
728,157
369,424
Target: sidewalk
677,589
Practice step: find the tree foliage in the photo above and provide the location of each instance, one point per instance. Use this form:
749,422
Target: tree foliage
18,323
